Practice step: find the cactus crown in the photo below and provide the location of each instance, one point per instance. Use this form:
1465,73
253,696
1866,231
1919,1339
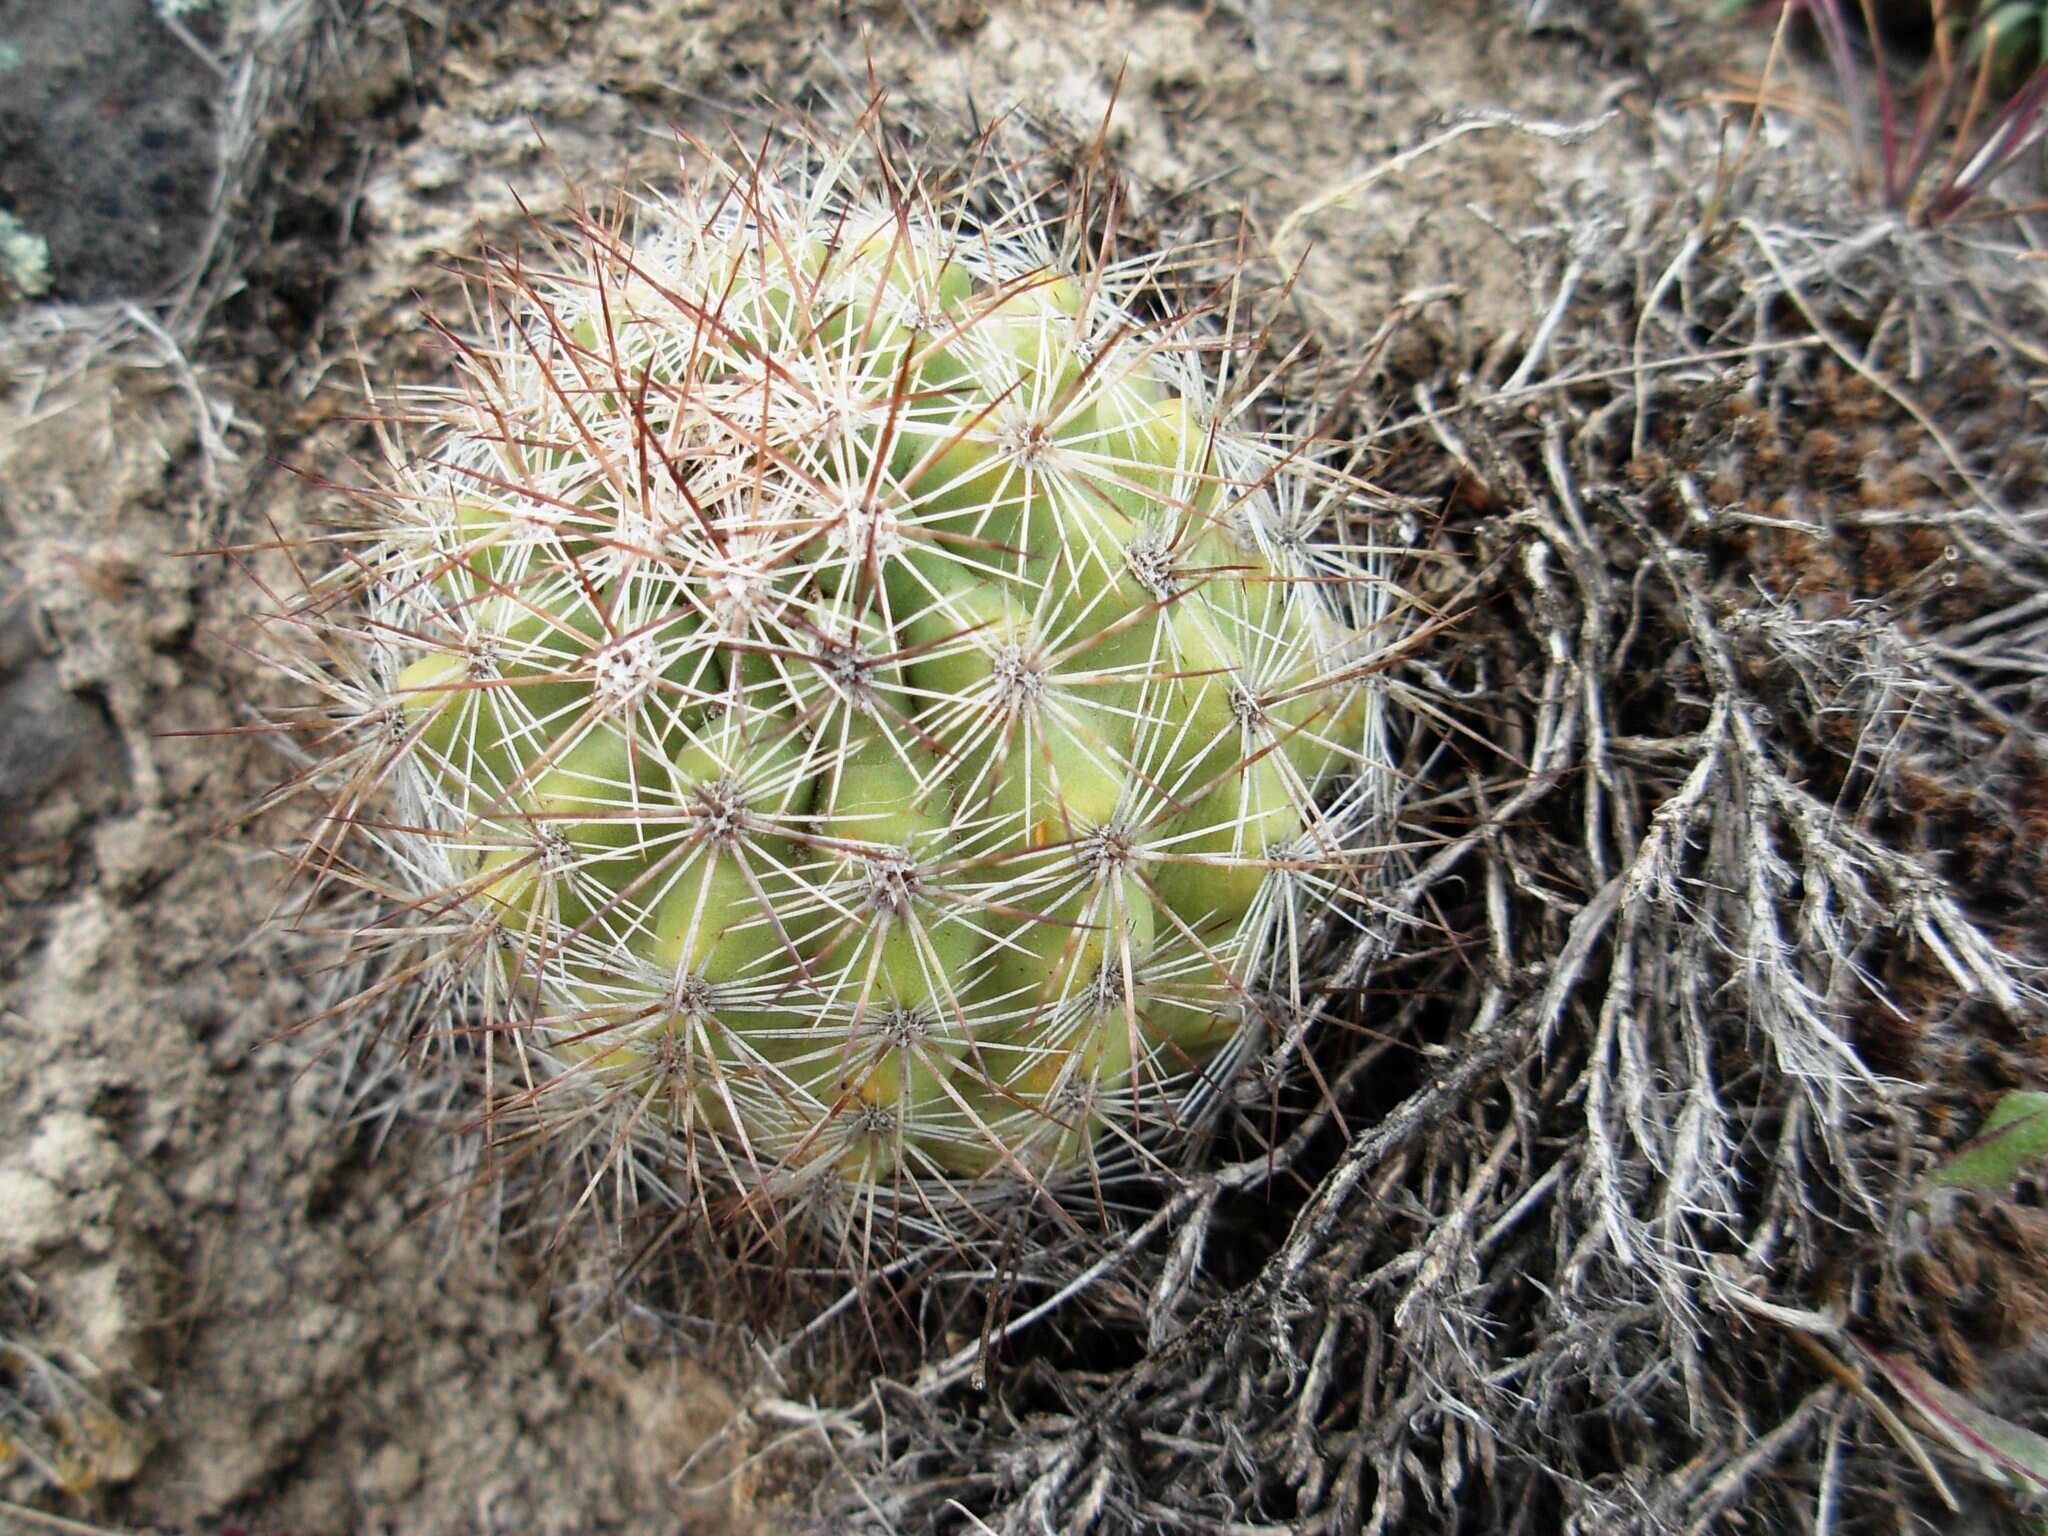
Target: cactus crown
858,702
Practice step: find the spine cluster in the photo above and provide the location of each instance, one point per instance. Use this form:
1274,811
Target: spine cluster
856,699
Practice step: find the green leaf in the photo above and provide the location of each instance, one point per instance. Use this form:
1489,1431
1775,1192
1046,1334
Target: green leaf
2014,1134
2008,1452
2011,22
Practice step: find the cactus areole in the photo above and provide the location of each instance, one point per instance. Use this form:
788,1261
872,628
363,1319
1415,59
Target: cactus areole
858,699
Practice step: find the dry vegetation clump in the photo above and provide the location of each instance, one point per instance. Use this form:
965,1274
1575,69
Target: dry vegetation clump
1605,1209
64,1422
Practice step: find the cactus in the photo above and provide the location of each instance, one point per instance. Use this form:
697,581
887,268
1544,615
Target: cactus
857,701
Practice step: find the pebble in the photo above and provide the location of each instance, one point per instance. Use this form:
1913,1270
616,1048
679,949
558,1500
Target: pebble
391,1474
35,1221
72,1151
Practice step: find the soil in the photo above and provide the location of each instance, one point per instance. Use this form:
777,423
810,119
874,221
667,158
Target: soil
263,1299
107,142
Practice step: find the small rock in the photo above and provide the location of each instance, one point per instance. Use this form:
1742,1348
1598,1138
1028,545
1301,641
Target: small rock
98,1304
133,848
391,1475
72,1151
82,934
34,1222
502,1508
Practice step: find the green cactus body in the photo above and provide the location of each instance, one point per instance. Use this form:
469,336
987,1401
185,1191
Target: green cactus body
876,708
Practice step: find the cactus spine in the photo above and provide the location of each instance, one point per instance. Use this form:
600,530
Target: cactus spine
858,700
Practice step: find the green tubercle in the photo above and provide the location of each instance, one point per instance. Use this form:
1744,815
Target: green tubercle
845,663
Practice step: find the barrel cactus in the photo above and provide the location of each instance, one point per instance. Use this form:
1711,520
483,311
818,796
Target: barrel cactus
857,703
